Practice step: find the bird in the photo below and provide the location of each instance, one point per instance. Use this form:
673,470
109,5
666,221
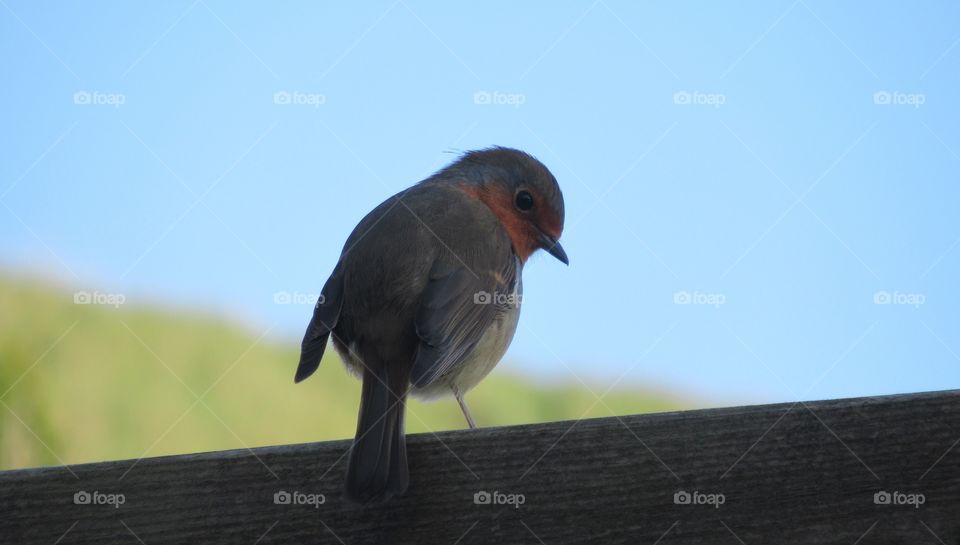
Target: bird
425,297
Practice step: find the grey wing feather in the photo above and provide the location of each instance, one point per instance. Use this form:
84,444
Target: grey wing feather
453,315
326,313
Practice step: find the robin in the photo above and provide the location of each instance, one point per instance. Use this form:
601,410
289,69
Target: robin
426,296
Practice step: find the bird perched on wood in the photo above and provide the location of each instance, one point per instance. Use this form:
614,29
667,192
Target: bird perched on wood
426,296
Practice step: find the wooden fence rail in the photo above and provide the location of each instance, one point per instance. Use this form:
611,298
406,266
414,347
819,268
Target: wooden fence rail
850,471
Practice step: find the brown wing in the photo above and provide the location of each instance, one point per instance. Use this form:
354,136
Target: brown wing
325,316
456,308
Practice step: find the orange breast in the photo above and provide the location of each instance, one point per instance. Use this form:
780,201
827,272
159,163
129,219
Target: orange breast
500,202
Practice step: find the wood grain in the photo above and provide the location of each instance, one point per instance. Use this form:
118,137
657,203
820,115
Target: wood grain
788,473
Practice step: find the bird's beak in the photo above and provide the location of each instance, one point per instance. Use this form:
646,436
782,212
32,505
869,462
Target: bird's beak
553,247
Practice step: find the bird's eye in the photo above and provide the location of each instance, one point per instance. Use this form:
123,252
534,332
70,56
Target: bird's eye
524,200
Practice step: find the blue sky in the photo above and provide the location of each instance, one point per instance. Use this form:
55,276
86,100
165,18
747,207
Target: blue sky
762,201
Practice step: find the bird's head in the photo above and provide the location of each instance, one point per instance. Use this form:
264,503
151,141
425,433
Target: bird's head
521,192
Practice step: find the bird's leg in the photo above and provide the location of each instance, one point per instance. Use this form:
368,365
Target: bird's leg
463,407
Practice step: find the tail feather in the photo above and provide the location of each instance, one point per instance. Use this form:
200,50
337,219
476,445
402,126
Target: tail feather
378,459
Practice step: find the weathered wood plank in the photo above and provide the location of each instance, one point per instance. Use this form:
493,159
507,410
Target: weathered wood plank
788,473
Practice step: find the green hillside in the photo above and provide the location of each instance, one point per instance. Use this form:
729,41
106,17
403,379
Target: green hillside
120,383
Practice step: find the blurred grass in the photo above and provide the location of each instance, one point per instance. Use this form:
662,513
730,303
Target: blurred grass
83,383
